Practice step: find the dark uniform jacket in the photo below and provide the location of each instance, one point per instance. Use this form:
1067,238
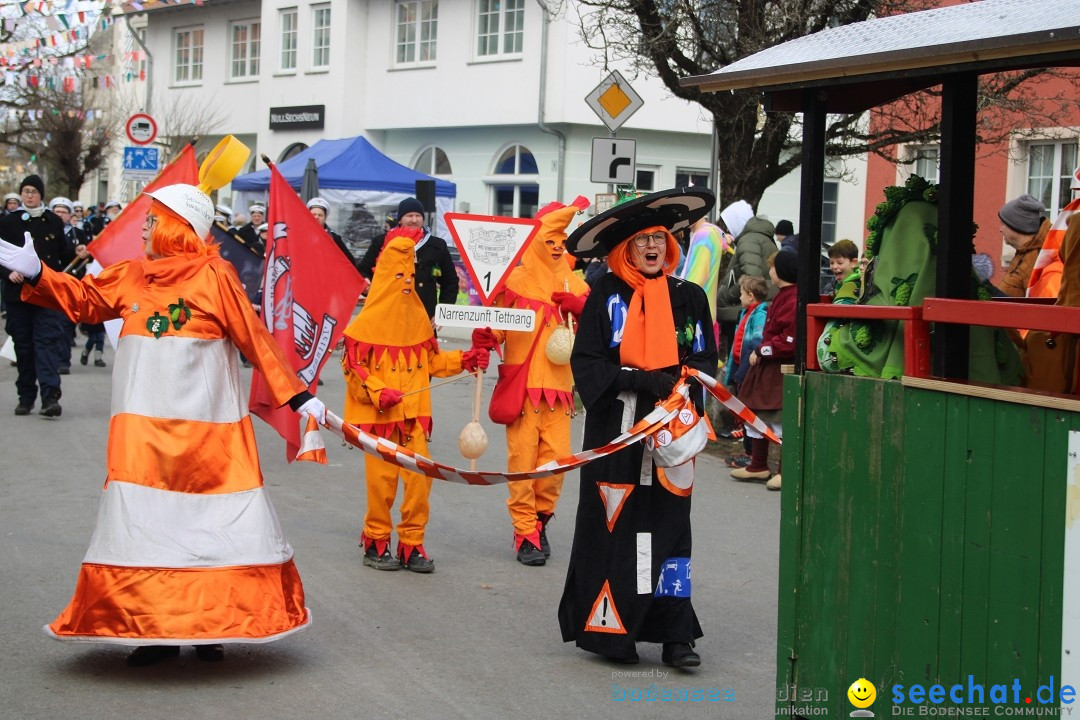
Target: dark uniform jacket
52,246
434,271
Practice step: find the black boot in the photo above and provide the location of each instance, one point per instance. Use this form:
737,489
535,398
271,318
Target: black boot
210,653
528,550
150,654
680,655
50,404
544,519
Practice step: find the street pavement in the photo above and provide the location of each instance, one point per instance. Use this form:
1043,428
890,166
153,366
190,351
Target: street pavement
478,638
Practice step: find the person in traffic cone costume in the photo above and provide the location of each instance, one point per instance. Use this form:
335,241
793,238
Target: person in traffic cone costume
391,353
544,283
187,548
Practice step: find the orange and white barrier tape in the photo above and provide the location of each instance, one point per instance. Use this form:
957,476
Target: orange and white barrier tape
732,403
657,418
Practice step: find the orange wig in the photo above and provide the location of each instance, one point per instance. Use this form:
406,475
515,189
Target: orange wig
172,235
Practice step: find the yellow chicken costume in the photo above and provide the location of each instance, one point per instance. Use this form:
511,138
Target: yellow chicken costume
390,354
545,284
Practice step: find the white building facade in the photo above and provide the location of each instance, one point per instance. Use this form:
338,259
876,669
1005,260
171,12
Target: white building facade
489,94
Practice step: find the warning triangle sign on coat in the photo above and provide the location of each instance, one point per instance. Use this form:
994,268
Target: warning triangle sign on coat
614,497
604,618
491,247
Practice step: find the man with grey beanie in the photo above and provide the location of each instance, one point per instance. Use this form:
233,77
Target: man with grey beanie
1023,228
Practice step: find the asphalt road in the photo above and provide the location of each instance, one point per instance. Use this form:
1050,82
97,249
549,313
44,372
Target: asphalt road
478,638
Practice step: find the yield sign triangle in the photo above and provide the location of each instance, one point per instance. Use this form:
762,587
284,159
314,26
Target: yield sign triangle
604,617
490,247
614,497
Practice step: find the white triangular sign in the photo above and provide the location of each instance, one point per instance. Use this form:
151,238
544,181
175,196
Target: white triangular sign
614,496
604,617
490,247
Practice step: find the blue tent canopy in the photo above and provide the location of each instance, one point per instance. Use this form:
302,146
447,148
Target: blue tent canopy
346,164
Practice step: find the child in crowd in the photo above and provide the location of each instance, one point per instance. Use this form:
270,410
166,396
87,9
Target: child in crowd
844,264
753,291
762,390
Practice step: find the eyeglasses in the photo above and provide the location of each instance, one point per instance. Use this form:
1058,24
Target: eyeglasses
151,221
657,239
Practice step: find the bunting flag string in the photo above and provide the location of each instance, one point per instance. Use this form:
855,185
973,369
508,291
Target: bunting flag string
656,419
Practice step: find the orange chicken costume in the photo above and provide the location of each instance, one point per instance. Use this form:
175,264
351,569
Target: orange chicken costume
391,353
542,432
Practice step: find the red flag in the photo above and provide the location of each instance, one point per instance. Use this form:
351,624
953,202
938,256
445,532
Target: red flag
309,295
122,237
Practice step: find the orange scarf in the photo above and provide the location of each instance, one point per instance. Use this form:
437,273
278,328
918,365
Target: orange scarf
648,341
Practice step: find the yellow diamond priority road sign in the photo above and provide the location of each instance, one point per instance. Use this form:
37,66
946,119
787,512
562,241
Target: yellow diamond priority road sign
614,101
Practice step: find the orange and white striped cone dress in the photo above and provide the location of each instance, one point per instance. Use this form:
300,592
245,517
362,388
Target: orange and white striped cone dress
187,548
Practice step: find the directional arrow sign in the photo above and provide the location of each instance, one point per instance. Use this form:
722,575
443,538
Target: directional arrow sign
614,161
491,247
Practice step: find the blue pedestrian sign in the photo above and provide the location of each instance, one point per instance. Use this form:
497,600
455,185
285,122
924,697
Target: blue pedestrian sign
141,164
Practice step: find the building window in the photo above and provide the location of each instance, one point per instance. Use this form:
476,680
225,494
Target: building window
287,22
500,27
433,161
189,55
691,178
515,190
320,36
646,179
292,151
416,32
926,163
245,48
1050,169
829,199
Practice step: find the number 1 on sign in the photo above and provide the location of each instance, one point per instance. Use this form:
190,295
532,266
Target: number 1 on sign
487,281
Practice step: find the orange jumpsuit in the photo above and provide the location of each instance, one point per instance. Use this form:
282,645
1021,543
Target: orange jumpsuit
390,344
187,545
542,432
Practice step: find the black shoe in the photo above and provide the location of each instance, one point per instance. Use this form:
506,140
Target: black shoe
210,653
545,546
385,561
24,408
149,654
679,655
66,370
530,555
623,659
98,362
413,557
50,407
85,357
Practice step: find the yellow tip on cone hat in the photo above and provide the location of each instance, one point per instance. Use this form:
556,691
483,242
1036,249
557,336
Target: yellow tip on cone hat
223,163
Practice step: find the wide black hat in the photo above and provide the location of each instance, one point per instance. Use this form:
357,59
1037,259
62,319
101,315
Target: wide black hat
675,209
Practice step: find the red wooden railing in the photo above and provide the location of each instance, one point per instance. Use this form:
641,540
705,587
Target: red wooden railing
1027,314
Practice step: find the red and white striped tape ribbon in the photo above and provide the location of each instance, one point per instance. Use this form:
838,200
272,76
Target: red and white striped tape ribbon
657,418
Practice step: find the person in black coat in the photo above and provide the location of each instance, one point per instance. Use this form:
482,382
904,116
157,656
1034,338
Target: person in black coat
40,334
628,580
436,276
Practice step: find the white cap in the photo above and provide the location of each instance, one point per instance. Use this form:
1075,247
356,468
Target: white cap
224,210
113,203
262,228
257,208
61,201
318,202
13,196
190,203
77,206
